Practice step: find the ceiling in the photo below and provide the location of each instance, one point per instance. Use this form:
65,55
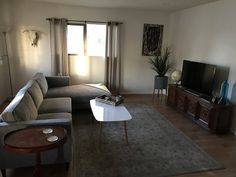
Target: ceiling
162,5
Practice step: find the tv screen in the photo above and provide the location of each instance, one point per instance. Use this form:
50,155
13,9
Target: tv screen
198,77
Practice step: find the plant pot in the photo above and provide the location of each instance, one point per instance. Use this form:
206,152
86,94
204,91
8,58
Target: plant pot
160,82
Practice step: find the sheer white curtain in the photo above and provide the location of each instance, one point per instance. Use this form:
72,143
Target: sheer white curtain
113,57
58,44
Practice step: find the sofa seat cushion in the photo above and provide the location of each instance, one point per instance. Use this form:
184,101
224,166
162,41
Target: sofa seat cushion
78,93
55,105
62,115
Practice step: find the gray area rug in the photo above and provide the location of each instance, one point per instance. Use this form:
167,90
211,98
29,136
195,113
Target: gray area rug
156,148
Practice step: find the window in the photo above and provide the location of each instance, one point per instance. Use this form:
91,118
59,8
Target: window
95,39
75,39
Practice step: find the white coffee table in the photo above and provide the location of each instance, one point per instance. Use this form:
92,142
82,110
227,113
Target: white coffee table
108,113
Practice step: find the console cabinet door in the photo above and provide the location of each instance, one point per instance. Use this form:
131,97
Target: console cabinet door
191,105
172,95
180,100
205,112
220,121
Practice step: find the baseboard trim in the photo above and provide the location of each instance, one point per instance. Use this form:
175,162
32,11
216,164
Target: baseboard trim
136,93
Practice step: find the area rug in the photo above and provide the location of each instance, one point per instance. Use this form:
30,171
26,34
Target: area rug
156,148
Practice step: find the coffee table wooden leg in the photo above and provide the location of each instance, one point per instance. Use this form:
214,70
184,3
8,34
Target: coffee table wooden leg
126,134
37,169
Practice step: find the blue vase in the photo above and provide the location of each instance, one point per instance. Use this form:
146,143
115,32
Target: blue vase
224,92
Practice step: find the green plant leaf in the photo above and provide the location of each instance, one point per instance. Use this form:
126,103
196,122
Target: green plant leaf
160,64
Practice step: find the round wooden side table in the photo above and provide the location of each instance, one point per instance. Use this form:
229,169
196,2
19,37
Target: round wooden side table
35,140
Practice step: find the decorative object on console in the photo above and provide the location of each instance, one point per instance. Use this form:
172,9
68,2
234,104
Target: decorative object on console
152,39
233,95
176,76
223,92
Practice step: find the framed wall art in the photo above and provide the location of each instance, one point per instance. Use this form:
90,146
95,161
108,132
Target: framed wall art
152,39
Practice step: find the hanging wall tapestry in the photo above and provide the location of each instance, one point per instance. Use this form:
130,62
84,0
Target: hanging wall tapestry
152,39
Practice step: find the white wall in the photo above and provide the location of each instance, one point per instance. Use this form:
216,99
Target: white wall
136,74
207,33
4,79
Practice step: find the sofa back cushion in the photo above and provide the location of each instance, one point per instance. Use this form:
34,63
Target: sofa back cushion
41,80
10,114
36,94
7,114
26,109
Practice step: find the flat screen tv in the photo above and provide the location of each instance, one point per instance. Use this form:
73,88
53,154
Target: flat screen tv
198,77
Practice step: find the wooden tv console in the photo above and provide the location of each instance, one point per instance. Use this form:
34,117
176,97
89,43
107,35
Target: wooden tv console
215,118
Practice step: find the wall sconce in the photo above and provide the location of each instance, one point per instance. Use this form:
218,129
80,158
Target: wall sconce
33,36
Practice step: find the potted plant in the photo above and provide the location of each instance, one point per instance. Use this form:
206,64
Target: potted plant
161,65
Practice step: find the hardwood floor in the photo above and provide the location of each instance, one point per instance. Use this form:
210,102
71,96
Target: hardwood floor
221,147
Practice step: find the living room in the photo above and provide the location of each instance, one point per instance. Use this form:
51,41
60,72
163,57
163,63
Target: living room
202,32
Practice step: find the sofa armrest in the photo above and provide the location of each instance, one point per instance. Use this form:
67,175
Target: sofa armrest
57,81
44,122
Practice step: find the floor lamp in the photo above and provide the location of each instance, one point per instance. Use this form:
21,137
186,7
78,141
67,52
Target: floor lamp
8,62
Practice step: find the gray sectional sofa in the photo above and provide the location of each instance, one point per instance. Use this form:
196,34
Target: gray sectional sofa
44,101
58,86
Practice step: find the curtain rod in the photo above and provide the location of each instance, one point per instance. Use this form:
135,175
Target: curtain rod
82,21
